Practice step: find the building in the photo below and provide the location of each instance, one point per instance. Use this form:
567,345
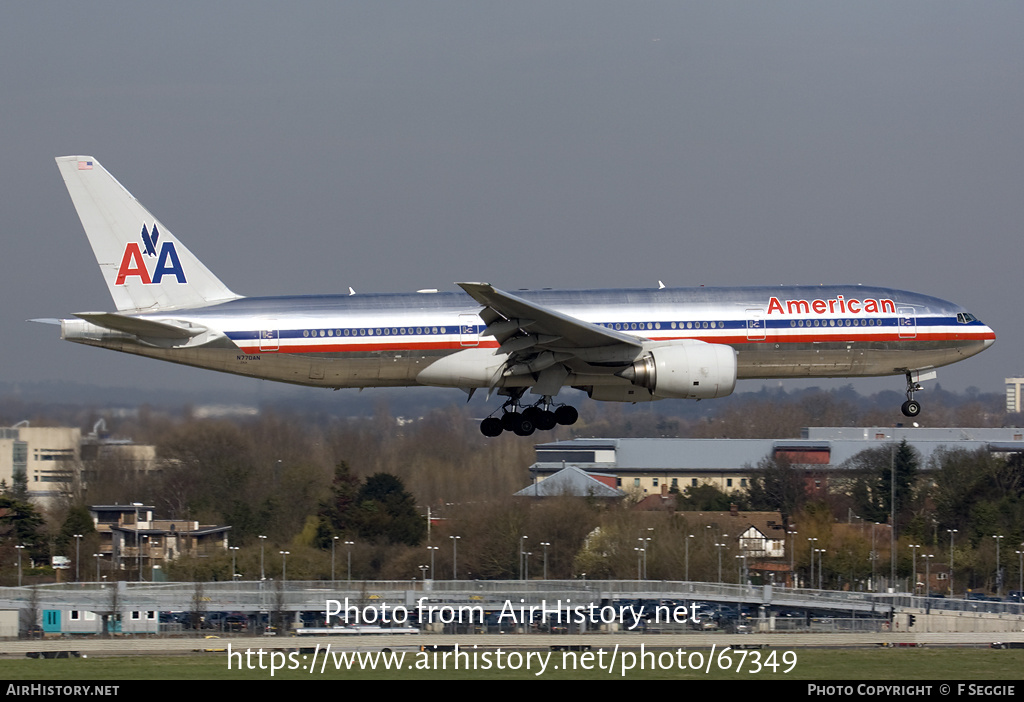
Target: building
45,459
132,540
53,461
575,482
1013,396
644,467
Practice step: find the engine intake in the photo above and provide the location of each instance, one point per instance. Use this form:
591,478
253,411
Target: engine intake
693,370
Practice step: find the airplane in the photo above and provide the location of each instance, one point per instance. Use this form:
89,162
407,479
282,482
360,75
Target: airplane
618,345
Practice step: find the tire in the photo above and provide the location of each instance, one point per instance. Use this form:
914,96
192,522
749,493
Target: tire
491,427
566,415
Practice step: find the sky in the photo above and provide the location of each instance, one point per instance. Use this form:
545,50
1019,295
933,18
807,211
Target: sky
306,147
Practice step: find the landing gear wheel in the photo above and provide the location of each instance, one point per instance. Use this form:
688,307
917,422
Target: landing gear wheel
911,408
491,427
510,420
566,415
524,428
545,420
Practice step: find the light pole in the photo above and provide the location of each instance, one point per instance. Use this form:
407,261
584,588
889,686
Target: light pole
1020,575
792,557
263,573
952,592
234,553
350,544
522,551
138,547
874,559
455,556
647,548
821,568
719,547
284,566
432,549
334,540
688,537
999,571
913,548
78,556
811,541
20,548
545,544
97,556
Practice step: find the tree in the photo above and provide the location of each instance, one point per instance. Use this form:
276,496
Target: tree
337,514
872,488
776,485
386,511
704,498
21,524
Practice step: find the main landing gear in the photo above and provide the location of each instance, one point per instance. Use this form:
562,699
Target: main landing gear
525,422
911,408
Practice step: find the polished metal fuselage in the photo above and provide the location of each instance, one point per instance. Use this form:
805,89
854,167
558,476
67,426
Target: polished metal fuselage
389,339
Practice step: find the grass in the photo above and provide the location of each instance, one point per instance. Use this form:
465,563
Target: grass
811,664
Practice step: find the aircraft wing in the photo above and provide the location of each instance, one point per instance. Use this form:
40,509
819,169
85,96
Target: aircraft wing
537,338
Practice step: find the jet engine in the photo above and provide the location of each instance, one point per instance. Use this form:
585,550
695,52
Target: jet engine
688,369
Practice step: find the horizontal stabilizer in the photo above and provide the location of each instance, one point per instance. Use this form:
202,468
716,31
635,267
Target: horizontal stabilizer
140,327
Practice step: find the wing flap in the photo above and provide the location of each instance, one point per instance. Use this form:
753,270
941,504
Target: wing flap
540,341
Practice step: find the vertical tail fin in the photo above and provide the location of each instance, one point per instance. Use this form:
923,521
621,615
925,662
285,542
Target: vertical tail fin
144,266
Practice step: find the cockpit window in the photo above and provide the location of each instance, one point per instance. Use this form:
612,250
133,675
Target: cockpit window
965,318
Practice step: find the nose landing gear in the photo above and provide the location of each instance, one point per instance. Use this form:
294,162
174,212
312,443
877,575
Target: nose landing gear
911,408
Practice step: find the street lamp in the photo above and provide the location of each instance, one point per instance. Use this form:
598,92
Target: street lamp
284,566
263,540
792,557
952,592
234,553
522,555
19,547
455,556
432,549
639,555
688,537
545,544
914,548
97,556
999,570
1020,575
78,556
719,547
350,544
334,540
138,547
811,541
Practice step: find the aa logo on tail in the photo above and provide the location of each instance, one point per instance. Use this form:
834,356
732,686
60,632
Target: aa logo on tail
167,262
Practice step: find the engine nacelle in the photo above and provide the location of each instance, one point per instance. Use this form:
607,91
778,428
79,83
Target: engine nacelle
619,393
689,369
